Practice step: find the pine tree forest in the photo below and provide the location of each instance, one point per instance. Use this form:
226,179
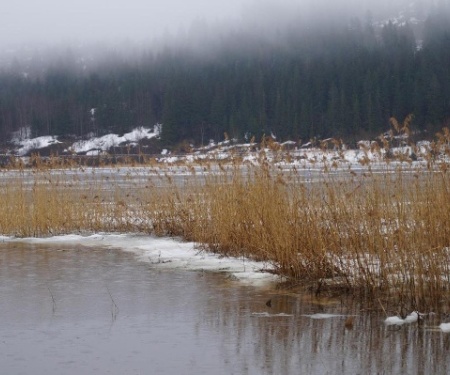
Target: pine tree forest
335,81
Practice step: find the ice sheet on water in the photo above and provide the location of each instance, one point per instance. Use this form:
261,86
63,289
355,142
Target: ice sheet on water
324,316
170,253
267,315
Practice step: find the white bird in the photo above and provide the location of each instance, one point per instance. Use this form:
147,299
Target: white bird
412,318
445,327
394,321
397,321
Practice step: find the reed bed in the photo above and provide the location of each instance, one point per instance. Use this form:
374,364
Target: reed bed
382,234
378,233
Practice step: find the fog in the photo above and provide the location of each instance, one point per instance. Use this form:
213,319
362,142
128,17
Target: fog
33,34
88,21
60,21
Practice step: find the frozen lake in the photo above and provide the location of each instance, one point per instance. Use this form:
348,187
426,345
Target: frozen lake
70,308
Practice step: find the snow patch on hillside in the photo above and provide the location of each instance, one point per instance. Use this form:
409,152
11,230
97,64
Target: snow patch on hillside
28,145
24,144
112,140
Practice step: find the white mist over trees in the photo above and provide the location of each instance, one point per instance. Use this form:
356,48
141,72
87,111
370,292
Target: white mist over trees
299,70
54,22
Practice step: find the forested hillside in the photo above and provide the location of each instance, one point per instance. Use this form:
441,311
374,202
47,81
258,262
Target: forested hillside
332,80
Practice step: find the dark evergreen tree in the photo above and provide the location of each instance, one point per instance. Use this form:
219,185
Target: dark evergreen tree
333,80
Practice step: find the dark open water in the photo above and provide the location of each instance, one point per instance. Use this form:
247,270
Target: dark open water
75,310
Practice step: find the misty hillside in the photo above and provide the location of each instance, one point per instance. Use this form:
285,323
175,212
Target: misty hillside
329,77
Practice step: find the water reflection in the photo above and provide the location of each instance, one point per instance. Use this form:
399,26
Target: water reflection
79,310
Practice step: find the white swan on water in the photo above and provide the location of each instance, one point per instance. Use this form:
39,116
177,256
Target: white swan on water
394,321
412,318
397,321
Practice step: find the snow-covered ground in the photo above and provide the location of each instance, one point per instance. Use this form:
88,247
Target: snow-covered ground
287,153
96,144
169,253
24,144
27,145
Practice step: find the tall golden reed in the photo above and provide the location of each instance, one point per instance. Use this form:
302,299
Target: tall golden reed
380,232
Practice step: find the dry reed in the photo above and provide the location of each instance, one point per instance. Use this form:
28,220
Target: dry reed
383,233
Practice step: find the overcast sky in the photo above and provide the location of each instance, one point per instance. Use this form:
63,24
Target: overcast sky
55,21
60,20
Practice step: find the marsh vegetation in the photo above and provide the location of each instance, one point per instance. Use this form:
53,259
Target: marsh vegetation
379,232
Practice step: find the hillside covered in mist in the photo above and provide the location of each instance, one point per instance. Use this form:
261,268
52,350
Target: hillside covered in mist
325,79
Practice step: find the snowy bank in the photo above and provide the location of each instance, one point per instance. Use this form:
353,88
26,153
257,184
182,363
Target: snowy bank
168,253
